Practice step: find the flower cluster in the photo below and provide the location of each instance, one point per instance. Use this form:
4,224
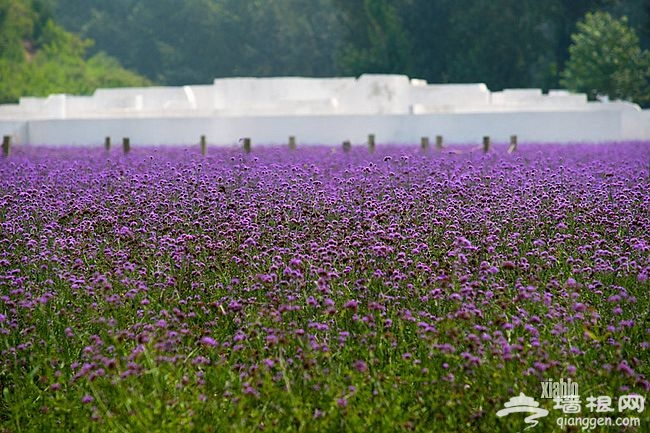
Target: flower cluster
321,280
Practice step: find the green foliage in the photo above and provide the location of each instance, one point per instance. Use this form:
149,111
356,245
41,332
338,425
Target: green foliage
503,43
606,59
38,57
194,41
16,22
376,41
103,70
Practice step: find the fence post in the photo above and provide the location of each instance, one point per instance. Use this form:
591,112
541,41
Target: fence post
371,142
126,145
424,143
439,142
204,145
486,143
347,146
107,143
6,145
292,142
513,144
247,144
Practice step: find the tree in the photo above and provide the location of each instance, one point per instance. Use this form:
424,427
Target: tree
506,43
38,57
195,41
375,38
606,59
503,43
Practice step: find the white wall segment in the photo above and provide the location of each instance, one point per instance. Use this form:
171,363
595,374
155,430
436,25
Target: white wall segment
319,111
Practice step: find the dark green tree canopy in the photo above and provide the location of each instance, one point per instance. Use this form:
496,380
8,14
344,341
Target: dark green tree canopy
503,43
607,60
194,41
38,57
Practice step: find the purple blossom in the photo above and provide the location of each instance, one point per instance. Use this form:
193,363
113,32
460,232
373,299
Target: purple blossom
279,270
208,341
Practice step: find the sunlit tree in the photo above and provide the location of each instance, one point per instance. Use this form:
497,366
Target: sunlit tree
606,60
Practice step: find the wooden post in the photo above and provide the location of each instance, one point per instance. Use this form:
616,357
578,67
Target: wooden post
292,142
486,143
107,143
126,145
513,144
371,143
347,146
424,143
6,145
204,145
439,142
247,144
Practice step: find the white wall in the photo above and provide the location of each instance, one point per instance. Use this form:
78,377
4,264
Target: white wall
636,124
450,98
397,128
16,129
280,95
393,107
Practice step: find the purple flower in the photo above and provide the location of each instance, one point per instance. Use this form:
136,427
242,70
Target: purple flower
579,307
360,366
281,269
208,341
625,368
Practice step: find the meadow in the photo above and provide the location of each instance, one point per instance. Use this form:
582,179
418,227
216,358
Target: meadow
316,290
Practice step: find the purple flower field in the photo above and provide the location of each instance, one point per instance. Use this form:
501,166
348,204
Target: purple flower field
317,290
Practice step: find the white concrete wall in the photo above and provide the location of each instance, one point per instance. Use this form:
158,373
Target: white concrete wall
635,124
450,98
203,96
377,94
317,129
393,107
280,95
16,129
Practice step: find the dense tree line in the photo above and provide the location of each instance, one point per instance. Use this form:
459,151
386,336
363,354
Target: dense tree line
504,43
38,57
194,41
607,60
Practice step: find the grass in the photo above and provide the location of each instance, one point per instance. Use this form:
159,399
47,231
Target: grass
176,302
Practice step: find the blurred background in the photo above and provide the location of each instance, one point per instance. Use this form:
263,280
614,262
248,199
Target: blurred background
76,46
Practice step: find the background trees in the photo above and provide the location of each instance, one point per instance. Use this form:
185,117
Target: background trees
504,43
374,39
606,59
194,41
38,57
